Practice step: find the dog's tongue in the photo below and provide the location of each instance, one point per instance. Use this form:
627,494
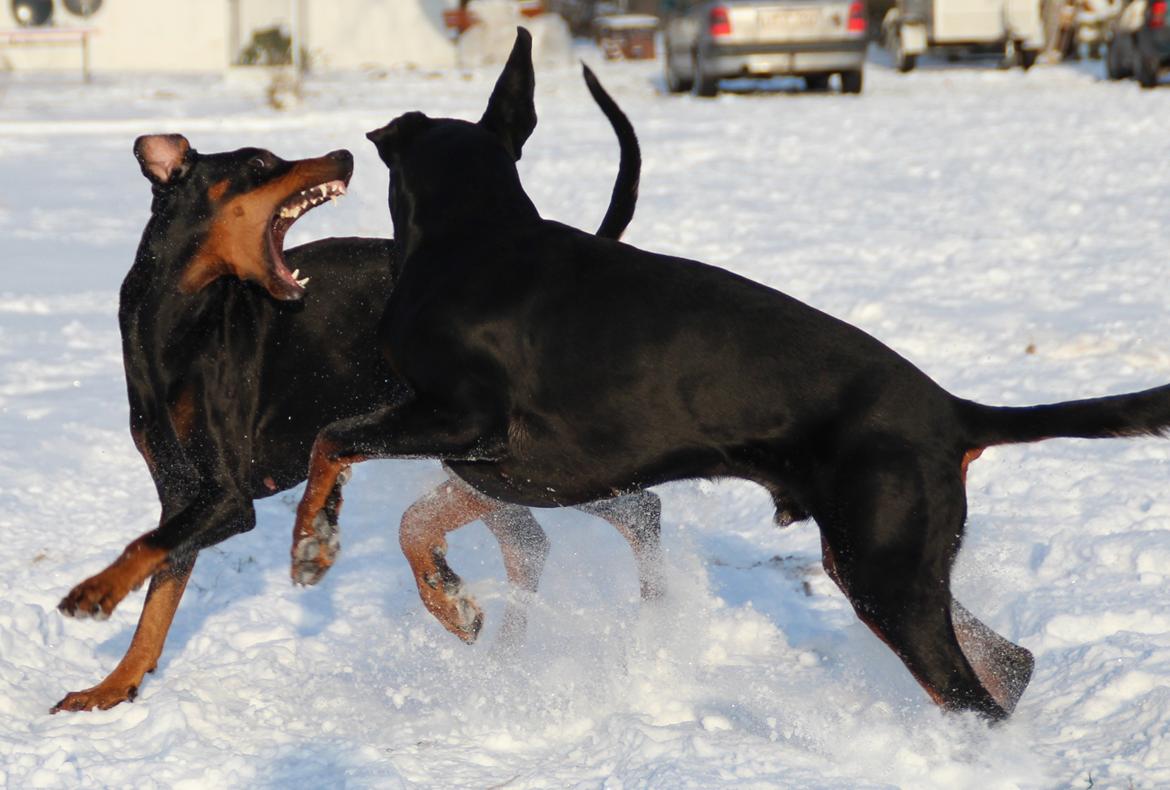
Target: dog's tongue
284,285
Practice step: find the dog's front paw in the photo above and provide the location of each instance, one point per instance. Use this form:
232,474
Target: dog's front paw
95,597
314,554
101,697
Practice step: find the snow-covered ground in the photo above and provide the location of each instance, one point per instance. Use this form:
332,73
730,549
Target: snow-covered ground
1008,232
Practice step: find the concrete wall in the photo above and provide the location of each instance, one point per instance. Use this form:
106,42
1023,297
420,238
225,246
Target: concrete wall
205,35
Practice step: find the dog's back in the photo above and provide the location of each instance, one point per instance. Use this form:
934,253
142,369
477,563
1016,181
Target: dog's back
659,367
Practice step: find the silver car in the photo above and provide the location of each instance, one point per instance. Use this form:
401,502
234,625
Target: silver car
707,41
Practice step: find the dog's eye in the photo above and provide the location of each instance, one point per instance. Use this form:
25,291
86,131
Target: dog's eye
258,163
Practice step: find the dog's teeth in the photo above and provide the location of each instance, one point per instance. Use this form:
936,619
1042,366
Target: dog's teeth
333,198
295,273
303,282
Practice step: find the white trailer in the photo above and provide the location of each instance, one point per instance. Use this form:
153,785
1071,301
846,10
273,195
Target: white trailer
1013,27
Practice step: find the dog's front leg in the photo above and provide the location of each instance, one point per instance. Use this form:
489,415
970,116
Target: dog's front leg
417,429
212,516
162,599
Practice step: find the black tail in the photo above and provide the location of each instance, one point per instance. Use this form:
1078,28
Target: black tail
625,186
1145,413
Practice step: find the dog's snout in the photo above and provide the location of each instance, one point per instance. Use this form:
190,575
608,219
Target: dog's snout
342,155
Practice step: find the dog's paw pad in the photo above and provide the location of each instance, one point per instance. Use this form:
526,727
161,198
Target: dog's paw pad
314,556
99,698
310,562
89,600
326,531
469,618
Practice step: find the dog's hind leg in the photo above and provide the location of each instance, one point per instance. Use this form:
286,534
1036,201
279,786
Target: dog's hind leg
524,546
638,517
162,599
889,542
1003,667
422,536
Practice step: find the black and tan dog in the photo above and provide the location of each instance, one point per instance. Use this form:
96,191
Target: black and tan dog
232,368
550,367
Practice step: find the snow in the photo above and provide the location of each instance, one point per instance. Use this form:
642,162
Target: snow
1005,231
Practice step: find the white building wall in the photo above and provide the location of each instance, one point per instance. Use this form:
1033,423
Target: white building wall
194,35
133,35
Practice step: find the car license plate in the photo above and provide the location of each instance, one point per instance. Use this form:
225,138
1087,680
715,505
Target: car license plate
779,21
769,65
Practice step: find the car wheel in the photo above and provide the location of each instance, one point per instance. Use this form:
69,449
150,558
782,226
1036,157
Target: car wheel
703,84
1115,68
851,81
1145,69
816,82
675,83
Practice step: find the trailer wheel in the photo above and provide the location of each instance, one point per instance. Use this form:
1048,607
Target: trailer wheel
1011,55
902,61
851,81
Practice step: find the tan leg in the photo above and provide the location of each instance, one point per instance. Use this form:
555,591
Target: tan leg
313,554
422,535
98,595
313,546
162,599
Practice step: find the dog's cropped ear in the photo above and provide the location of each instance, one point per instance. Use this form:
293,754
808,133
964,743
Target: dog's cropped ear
511,112
164,158
391,138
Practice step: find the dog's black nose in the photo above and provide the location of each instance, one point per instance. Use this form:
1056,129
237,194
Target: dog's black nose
342,155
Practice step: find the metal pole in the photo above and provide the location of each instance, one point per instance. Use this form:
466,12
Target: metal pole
85,56
295,36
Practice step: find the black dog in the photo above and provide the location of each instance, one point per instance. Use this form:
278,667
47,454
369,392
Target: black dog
550,367
232,369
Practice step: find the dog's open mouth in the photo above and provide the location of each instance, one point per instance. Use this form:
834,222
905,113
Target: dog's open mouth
288,212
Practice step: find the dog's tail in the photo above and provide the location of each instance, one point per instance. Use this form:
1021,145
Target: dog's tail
625,186
1145,413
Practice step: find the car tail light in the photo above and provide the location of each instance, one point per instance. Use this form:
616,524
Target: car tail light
1158,13
857,17
720,22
